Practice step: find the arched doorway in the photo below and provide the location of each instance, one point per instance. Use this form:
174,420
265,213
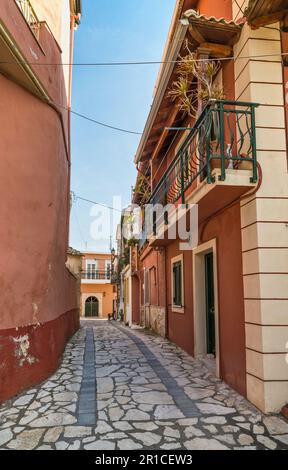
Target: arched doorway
91,307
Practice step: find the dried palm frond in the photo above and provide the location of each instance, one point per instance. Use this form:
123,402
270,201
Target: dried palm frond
188,93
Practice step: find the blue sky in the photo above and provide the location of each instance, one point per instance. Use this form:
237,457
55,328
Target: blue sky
102,159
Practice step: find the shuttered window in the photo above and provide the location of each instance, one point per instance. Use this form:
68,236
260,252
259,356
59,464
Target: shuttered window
177,284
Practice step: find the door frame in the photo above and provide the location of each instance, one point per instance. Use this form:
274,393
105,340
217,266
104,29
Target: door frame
199,300
99,296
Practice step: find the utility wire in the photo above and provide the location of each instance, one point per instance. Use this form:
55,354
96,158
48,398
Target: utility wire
96,203
148,62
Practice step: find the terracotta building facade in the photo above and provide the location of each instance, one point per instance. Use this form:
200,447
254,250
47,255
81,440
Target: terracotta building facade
97,292
38,293
227,298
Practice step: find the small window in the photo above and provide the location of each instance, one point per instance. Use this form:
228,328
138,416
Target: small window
177,284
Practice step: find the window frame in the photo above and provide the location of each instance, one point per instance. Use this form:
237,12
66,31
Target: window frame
177,308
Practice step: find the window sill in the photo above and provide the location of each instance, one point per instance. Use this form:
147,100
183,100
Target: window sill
176,309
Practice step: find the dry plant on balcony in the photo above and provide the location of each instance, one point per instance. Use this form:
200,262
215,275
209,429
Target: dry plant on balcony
143,188
189,93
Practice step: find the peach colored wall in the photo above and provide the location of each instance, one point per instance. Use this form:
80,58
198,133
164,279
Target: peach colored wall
37,290
35,285
100,257
217,8
51,13
108,295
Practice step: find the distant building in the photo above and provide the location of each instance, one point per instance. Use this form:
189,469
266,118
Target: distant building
97,292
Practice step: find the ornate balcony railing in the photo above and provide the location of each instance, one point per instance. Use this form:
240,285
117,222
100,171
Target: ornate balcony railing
223,137
97,275
30,16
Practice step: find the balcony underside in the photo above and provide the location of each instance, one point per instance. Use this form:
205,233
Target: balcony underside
211,198
14,65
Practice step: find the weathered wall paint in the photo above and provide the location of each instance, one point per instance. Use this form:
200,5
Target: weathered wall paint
42,346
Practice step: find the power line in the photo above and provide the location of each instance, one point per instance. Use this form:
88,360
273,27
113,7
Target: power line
96,203
101,123
148,62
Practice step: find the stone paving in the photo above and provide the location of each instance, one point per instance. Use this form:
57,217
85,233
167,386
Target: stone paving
149,395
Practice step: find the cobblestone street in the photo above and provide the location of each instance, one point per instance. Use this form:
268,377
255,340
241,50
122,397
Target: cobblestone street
126,389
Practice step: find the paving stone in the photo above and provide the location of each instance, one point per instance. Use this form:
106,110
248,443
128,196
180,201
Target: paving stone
53,434
187,421
61,445
258,429
26,440
115,414
282,438
191,431
103,427
170,432
114,435
167,412
204,444
145,426
128,444
148,438
100,445
267,442
172,446
28,417
136,415
198,394
54,419
215,409
65,396
226,438
211,428
77,431
214,420
276,425
245,439
24,400
5,436
75,445
123,426
154,398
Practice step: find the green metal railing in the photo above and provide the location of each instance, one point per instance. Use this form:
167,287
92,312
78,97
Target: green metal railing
223,137
30,16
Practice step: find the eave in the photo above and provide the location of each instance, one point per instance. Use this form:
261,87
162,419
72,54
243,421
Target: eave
264,12
217,37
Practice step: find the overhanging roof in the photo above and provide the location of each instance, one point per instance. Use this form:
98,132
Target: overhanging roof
262,12
217,36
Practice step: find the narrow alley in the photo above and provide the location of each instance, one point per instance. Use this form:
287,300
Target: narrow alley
126,389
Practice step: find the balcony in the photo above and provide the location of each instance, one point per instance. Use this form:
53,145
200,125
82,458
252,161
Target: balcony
216,164
30,16
96,277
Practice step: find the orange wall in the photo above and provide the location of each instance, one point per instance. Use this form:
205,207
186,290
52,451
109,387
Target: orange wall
106,289
100,257
226,229
217,8
37,291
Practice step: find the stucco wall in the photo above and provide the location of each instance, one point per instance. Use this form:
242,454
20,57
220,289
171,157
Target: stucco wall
105,295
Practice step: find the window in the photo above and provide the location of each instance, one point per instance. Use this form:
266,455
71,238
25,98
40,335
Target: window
177,284
146,286
91,268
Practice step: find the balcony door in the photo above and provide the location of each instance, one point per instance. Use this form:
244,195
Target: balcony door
91,268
